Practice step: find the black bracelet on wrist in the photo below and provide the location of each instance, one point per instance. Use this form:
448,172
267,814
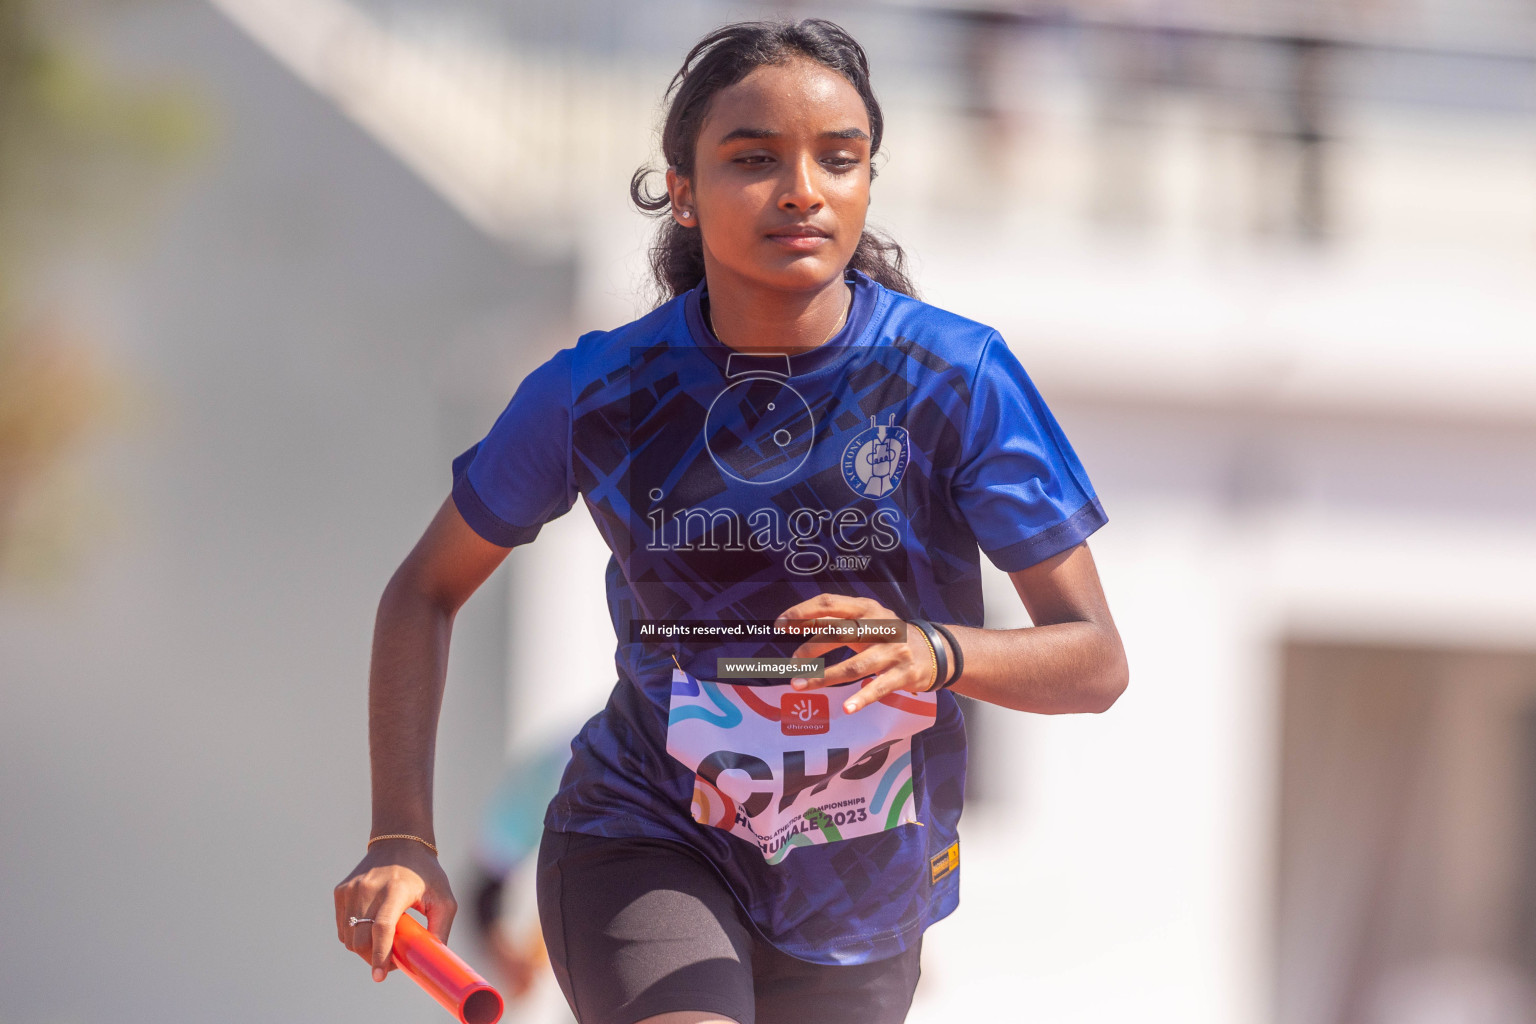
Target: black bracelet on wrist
940,659
959,658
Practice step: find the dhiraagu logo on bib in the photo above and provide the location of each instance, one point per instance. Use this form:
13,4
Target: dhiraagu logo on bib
783,768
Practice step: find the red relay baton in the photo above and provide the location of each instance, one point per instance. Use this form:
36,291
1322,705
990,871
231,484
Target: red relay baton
438,969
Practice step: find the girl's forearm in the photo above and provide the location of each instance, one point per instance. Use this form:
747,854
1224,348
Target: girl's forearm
1054,669
405,694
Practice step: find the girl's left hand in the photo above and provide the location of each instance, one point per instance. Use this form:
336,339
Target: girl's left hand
884,666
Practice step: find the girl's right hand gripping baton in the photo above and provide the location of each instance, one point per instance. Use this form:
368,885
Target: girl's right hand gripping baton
449,980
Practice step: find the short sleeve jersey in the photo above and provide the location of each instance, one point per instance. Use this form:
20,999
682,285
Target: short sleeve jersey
730,486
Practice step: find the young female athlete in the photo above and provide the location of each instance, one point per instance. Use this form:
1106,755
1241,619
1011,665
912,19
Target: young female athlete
790,435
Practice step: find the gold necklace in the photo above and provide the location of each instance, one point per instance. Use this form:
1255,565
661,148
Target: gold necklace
841,320
848,305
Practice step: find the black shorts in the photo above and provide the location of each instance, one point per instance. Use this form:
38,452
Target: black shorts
637,927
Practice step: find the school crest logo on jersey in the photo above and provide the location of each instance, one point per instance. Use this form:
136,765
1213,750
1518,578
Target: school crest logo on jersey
875,459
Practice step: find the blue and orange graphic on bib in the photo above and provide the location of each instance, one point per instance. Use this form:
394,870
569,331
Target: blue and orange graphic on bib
783,768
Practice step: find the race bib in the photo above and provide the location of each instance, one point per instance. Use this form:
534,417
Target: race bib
783,768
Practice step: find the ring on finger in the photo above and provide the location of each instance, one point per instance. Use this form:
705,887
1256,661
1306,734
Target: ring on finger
355,921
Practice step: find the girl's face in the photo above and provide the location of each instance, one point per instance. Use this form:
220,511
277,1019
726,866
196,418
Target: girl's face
780,184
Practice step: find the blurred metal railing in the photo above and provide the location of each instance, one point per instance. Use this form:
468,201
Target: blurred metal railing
520,115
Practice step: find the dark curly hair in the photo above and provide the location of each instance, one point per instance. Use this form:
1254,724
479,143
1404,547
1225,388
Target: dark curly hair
721,59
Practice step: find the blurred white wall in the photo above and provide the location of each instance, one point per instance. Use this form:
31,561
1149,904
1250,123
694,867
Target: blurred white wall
311,334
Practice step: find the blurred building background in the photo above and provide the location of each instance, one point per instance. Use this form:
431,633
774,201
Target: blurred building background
1272,262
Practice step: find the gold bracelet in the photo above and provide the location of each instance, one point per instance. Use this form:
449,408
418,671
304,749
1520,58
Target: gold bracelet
932,654
423,842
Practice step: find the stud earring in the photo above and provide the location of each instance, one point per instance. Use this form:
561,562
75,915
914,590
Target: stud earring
685,214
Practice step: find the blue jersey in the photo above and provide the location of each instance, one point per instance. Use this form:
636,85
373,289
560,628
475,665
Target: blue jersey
730,486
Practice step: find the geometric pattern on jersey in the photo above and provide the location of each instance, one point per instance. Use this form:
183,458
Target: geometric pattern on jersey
729,486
